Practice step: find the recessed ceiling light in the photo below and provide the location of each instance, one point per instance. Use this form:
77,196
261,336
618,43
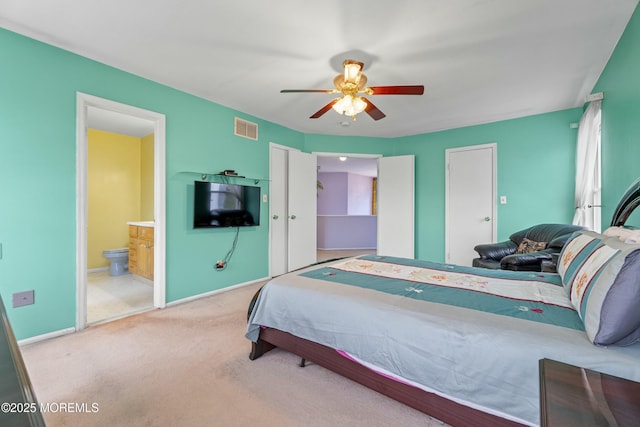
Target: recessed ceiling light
342,158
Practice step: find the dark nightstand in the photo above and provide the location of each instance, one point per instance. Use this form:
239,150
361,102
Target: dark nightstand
573,396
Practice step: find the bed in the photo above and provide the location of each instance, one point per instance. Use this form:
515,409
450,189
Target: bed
461,344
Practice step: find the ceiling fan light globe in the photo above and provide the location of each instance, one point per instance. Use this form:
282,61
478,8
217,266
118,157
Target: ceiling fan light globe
350,105
341,104
358,105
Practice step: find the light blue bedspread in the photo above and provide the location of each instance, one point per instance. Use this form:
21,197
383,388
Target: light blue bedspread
441,327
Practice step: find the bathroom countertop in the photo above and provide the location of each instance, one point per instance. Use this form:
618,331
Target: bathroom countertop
142,223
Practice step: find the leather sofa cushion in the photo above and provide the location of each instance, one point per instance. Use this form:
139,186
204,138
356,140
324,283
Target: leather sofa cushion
555,234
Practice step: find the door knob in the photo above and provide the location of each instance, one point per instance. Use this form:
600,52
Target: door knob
293,217
487,219
275,217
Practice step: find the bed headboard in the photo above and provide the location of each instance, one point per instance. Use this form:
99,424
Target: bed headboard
629,201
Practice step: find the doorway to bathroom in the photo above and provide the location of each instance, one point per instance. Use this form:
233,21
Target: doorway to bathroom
121,189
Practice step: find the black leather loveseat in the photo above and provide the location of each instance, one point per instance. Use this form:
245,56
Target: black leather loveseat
527,249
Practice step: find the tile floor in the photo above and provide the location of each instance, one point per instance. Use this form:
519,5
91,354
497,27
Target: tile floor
113,297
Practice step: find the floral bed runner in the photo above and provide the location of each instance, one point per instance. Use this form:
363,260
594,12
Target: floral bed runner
531,296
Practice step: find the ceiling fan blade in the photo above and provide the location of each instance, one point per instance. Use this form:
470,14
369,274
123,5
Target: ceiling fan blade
373,111
307,90
323,110
397,90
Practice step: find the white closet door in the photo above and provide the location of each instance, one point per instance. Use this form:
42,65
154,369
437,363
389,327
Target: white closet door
396,181
302,209
278,212
470,204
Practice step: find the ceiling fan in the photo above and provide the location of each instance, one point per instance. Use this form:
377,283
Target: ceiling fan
350,85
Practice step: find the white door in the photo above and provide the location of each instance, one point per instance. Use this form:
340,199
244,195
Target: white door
470,201
302,209
395,201
293,212
278,211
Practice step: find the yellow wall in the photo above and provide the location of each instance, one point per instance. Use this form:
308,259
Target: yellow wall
115,181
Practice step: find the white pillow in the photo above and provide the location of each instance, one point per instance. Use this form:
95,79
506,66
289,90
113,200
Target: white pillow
626,235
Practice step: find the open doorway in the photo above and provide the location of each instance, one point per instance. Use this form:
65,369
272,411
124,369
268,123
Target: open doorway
120,136
347,205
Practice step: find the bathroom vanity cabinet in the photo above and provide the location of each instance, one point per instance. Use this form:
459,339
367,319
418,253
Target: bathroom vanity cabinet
141,251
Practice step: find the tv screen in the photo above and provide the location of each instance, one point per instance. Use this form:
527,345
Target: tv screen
225,205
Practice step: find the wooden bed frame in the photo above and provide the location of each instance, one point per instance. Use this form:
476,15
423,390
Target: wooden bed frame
629,201
431,404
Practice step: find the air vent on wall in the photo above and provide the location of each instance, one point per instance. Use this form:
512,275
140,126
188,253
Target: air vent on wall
246,129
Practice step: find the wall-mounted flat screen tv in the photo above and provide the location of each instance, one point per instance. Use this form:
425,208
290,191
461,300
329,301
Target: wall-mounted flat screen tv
225,205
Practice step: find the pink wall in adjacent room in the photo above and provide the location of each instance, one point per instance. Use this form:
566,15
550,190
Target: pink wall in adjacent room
344,212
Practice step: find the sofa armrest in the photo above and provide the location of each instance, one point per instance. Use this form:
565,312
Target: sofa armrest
496,251
526,262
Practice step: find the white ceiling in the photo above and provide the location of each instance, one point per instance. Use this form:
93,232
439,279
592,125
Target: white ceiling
480,60
356,164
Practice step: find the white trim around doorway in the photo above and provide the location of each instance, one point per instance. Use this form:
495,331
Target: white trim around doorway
83,102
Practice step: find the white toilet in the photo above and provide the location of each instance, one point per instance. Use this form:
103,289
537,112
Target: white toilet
119,259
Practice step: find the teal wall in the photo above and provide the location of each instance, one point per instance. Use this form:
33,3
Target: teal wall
620,83
536,169
38,85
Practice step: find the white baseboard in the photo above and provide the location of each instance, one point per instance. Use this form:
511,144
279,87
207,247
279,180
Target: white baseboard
67,331
214,292
47,336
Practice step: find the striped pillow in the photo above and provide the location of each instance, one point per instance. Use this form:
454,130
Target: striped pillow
602,277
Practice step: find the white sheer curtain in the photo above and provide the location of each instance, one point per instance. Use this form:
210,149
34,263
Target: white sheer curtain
588,182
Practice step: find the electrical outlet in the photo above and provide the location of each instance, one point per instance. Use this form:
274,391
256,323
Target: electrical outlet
503,200
23,298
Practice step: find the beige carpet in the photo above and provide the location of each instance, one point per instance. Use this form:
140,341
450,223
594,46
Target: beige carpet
188,365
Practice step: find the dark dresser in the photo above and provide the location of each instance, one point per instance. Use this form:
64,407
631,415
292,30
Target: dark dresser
19,405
